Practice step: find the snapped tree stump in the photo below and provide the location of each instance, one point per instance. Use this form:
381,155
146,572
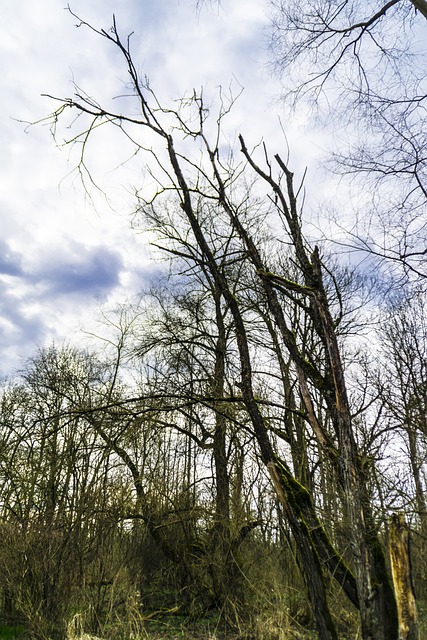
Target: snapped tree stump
402,579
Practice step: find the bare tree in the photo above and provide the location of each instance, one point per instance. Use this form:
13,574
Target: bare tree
361,64
402,384
210,187
52,481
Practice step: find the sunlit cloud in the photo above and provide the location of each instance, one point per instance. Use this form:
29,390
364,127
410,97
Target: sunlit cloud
60,252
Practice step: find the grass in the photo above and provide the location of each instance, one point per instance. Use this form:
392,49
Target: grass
181,628
10,633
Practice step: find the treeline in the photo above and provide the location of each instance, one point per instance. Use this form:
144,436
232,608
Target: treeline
132,487
115,508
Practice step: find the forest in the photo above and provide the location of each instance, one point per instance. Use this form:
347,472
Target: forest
241,451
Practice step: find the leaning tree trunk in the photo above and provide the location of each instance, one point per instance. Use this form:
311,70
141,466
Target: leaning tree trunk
378,612
309,559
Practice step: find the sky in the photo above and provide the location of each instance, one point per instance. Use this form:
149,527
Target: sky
62,255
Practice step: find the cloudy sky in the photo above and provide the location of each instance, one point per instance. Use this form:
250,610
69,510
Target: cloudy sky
62,255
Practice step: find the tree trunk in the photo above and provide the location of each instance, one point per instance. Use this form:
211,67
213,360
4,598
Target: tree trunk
402,579
307,557
421,5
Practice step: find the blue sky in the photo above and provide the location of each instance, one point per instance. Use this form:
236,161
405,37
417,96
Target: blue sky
60,253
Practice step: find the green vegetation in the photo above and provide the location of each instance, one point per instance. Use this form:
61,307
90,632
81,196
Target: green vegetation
11,633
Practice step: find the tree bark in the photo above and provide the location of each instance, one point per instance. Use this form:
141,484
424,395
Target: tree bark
402,579
308,558
421,5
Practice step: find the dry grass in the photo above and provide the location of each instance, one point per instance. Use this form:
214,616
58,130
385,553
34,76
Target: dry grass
75,629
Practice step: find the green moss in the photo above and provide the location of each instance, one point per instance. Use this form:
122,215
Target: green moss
298,494
302,505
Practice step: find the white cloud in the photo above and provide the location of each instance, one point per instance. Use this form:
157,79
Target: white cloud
55,247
